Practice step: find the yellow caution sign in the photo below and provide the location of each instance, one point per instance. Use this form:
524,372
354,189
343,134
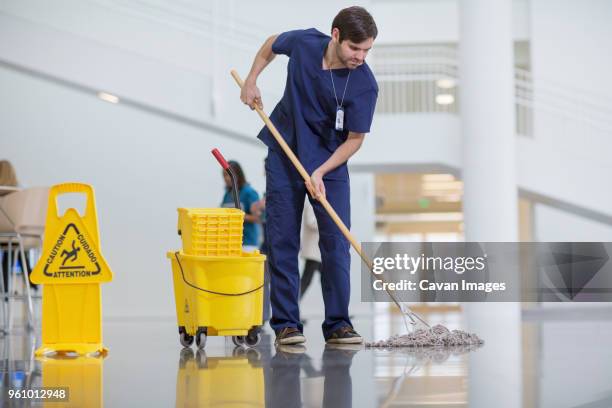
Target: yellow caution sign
71,269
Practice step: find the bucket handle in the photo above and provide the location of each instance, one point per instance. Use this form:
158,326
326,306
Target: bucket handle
210,291
228,170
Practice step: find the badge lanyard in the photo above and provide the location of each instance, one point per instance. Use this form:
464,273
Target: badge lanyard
339,106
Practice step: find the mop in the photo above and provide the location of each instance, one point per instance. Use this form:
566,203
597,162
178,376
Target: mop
420,333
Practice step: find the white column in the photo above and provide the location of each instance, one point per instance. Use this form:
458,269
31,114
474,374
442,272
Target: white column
487,113
490,194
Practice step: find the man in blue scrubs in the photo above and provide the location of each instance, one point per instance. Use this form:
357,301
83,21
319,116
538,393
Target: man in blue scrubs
324,114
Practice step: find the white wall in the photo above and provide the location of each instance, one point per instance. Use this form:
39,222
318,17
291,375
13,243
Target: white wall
552,225
418,139
570,43
156,54
427,21
568,159
577,176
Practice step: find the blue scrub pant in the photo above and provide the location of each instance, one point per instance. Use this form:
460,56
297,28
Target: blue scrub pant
285,192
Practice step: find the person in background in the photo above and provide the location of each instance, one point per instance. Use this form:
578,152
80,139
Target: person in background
8,178
310,251
247,196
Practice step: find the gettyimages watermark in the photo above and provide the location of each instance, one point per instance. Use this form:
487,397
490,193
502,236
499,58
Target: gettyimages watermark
487,271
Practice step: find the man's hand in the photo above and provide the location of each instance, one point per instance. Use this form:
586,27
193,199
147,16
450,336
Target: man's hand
250,95
315,185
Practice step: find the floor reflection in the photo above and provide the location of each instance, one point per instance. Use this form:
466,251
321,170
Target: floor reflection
80,376
77,379
237,380
255,377
18,367
563,362
425,376
291,376
285,388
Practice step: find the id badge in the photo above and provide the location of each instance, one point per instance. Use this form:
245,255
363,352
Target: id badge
340,119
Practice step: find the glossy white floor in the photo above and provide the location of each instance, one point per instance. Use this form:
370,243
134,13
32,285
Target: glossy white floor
566,361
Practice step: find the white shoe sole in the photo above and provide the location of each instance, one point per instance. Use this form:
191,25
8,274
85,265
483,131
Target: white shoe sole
292,349
292,340
352,340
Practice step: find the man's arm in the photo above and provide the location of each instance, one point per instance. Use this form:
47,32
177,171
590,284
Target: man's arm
340,156
250,94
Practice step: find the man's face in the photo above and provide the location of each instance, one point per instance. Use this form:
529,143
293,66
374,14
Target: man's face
353,54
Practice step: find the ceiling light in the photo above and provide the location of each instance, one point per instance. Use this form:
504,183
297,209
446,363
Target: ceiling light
445,99
108,97
446,83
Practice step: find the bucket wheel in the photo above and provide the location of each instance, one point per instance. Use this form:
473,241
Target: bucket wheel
238,340
185,339
253,338
200,337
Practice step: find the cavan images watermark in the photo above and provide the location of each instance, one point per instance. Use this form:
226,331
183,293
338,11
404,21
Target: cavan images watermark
487,271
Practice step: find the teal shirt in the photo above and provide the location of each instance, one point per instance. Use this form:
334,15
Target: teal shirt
247,197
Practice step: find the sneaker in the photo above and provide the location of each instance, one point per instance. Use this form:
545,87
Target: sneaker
344,335
289,335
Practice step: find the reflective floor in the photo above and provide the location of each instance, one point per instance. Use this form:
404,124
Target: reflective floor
565,360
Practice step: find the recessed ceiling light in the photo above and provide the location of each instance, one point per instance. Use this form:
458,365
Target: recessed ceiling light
446,83
445,99
108,97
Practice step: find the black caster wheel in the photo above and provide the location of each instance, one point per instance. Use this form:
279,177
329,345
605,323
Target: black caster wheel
185,339
238,340
253,338
200,338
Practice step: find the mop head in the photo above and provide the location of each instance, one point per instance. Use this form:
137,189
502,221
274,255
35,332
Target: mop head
437,336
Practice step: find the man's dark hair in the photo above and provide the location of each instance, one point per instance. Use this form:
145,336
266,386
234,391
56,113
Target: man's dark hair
355,24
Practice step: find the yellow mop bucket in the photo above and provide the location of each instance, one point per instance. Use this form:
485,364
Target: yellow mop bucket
71,269
218,296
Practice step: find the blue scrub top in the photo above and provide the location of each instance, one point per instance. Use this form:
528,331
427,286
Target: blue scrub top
247,197
306,114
